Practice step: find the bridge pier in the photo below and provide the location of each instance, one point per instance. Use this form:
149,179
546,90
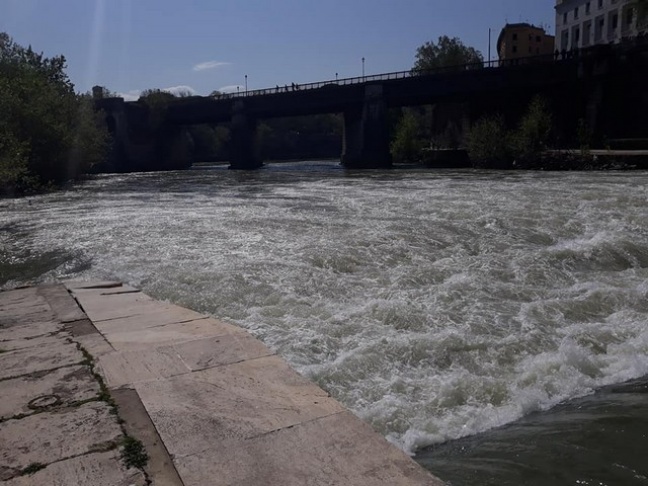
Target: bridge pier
138,144
243,147
366,133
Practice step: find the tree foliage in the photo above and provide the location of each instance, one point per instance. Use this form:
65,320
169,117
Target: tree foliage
413,132
157,102
642,11
48,134
408,141
447,52
534,131
489,143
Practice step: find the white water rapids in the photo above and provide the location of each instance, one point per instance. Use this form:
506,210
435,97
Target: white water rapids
435,305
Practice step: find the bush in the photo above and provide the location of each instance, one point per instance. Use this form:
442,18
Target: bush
408,142
534,132
489,144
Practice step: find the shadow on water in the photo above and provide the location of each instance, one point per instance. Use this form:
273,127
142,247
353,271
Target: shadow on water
599,440
19,263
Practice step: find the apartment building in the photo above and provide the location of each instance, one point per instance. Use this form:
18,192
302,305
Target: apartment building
523,40
583,23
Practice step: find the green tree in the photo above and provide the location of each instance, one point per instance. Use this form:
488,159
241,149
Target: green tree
48,134
157,102
413,131
445,53
534,131
489,144
408,141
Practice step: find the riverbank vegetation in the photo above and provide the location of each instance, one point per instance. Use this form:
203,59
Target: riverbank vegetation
48,133
412,127
491,144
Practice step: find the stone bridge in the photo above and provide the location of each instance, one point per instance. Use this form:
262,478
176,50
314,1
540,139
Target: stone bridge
595,85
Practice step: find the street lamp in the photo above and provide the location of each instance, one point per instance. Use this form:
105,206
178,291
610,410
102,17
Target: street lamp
363,71
246,91
336,75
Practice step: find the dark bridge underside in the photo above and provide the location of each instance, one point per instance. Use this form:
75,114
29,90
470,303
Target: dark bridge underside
416,90
604,86
364,106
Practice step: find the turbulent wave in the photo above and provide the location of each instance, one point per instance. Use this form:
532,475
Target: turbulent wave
434,305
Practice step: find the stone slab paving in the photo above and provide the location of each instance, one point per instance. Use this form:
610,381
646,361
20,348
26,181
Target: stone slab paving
30,360
69,385
58,299
332,451
39,328
194,412
98,469
132,338
51,437
53,428
228,411
23,306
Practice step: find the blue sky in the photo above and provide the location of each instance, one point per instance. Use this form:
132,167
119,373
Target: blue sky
131,45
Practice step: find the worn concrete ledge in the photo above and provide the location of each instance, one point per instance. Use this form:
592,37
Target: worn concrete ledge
227,409
211,403
56,426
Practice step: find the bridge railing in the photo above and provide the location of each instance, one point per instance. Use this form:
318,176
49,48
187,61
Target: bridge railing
332,83
593,51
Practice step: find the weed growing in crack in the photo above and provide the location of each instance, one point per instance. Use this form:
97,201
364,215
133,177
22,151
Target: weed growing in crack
133,453
34,467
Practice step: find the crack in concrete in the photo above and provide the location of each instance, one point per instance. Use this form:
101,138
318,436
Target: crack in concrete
34,373
178,322
134,291
98,450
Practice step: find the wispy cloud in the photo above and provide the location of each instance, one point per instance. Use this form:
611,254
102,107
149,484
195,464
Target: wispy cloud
203,66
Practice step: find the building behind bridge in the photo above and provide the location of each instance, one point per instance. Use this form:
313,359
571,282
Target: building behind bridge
584,23
523,40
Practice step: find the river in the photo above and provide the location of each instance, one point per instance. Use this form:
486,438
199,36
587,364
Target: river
487,321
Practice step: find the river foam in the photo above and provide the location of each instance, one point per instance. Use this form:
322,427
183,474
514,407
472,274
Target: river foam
434,305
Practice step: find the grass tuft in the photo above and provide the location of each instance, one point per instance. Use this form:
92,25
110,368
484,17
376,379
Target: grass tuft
133,453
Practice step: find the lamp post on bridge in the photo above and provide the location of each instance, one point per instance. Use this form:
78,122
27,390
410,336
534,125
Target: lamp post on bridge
246,90
336,76
363,70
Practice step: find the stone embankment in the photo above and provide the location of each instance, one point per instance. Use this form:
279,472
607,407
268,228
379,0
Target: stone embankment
102,385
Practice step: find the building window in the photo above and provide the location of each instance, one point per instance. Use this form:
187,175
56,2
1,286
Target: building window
565,18
615,21
630,17
587,8
575,13
514,49
538,38
600,4
514,37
